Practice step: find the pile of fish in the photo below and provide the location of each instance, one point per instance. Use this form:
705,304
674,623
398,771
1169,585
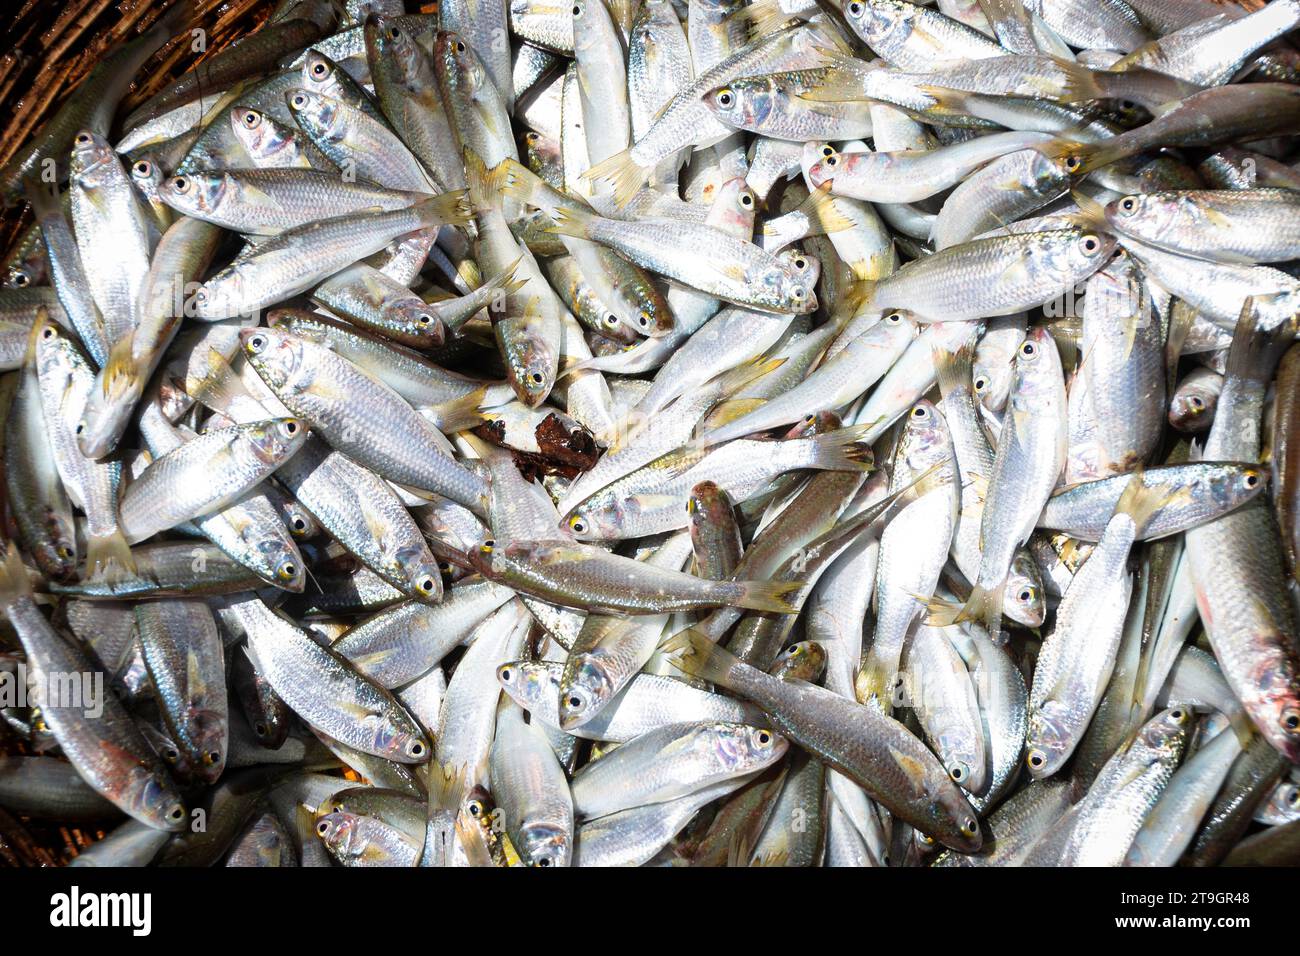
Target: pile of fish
656,432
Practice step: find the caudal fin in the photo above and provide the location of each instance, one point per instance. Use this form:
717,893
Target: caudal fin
985,606
621,172
13,578
695,655
842,450
108,557
447,209
776,597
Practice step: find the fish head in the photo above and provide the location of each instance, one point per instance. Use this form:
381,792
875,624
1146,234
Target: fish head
195,193
150,795
275,355
94,163
598,519
1048,739
741,747
275,440
1274,702
109,408
318,74
339,832
545,845
875,20
741,105
585,687
1022,599
209,730
1151,214
1191,410
285,561
807,268
319,114
418,323
457,64
419,569
1163,737
803,660
147,173
256,132
528,683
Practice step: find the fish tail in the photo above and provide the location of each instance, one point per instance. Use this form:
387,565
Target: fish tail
871,687
1091,214
985,607
14,583
695,655
521,183
623,173
460,414
776,597
954,370
762,17
571,222
1256,350
220,389
842,450
108,557
1141,501
447,209
484,185
509,280
737,378
1080,84
820,207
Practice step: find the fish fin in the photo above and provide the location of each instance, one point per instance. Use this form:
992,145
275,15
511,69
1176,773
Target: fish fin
1141,502
14,582
119,371
447,209
762,17
521,183
821,208
1079,84
776,597
695,655
724,413
459,414
220,389
737,378
939,612
955,370
1255,350
483,185
509,281
842,450
985,606
1091,214
571,222
623,173
108,557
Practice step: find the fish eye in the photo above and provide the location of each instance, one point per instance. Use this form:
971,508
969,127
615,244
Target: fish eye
212,758
475,808
176,813
1176,716
1196,402
970,827
394,34
506,674
1291,720
143,168
643,320
182,184
797,293
831,159
726,98
1090,245
299,101
1128,205
793,651
764,737
251,119
828,151
1250,479
21,280
460,46
746,199
260,729
81,427
544,861
415,748
298,524
894,318
920,412
801,264
1026,595
170,754
577,10
83,138
537,378
611,320
63,551
981,383
958,772
1028,349
575,702
425,584
318,69
423,319
323,828
1073,164
487,546
578,524
288,571
256,343
855,9
291,428
1037,759
1294,798
48,333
